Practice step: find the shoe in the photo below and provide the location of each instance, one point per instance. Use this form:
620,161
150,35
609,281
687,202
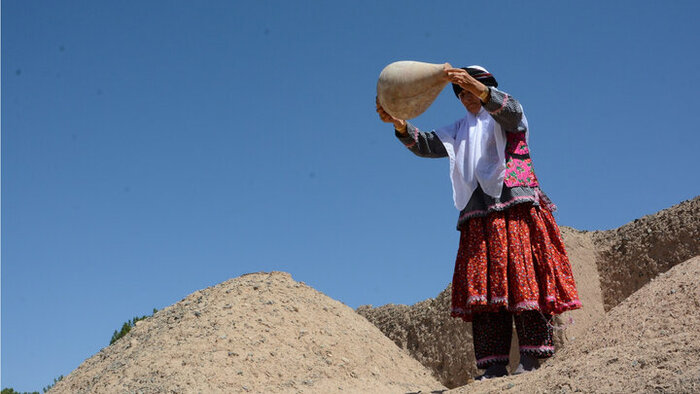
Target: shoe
494,371
527,364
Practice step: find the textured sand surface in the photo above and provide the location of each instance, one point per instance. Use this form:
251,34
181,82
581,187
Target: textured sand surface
631,255
444,344
264,332
649,343
603,262
256,333
427,331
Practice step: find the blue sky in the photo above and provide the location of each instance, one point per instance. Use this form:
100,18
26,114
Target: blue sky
151,149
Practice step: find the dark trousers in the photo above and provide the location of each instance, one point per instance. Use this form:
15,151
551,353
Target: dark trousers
492,334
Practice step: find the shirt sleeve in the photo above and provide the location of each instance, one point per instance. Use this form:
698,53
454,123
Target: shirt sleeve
421,143
506,110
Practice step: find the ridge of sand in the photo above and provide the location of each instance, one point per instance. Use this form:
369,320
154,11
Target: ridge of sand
648,343
631,255
260,332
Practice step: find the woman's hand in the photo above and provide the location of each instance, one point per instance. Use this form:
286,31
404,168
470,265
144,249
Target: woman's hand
459,76
399,124
465,81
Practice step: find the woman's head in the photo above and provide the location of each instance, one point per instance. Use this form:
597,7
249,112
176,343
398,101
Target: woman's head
470,101
480,74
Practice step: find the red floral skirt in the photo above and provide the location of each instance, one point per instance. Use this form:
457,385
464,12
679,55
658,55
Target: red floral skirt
512,260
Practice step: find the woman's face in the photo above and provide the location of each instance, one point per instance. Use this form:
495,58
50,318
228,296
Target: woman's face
470,102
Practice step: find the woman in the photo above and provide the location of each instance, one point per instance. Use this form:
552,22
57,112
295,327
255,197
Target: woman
511,263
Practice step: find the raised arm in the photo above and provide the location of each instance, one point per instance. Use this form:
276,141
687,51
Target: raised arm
420,143
505,110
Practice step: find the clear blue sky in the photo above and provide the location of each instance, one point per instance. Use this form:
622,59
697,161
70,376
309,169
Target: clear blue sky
151,149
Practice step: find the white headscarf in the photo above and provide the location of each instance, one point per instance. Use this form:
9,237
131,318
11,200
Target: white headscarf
476,145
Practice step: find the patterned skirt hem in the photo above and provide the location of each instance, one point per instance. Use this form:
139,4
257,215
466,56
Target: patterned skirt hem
548,308
513,261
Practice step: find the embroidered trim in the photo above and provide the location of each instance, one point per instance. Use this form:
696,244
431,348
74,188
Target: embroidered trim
500,206
541,197
473,298
563,307
505,100
499,357
576,303
543,347
556,309
526,305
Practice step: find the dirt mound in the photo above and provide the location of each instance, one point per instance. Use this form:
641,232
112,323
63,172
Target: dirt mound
441,343
648,343
444,344
631,255
260,332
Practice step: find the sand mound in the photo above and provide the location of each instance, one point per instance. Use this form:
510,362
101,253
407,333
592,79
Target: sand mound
648,343
260,332
267,333
631,255
444,344
441,343
638,251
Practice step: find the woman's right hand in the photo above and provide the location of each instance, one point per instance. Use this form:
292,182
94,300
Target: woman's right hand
399,124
